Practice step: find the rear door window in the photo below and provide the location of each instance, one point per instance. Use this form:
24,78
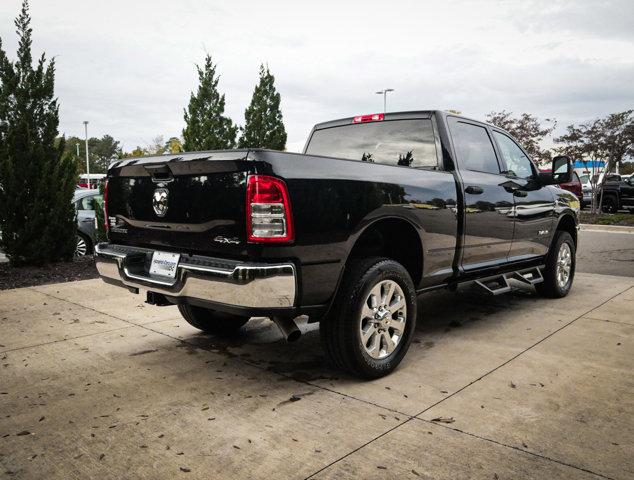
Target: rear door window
474,148
405,143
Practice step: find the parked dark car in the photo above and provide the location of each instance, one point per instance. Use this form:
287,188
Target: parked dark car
618,194
378,208
84,201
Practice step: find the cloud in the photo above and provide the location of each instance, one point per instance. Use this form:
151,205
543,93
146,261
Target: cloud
128,67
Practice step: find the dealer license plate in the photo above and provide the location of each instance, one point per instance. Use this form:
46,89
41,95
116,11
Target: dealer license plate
165,264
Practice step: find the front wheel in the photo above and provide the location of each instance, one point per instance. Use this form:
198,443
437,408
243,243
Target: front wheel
370,325
211,321
610,204
560,268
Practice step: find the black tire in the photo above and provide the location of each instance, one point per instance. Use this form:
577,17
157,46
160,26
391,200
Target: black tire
211,321
550,287
339,330
610,204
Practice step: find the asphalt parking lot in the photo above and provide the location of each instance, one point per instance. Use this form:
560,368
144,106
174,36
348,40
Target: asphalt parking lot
606,250
95,384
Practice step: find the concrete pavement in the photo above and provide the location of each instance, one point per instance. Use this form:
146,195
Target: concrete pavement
95,384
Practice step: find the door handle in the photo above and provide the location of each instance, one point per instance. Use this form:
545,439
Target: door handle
473,190
520,193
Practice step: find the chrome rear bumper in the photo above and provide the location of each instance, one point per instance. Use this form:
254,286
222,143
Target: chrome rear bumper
239,284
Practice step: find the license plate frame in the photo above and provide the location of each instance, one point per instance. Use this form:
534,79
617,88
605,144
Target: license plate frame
164,264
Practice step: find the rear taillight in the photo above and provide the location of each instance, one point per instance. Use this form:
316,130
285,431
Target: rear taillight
375,117
269,217
105,207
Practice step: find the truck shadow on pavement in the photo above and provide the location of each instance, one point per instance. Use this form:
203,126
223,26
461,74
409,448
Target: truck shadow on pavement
260,343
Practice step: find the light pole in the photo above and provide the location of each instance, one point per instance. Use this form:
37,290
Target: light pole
87,165
77,145
384,93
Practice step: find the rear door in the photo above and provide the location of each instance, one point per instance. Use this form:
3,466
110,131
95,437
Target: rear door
488,219
533,206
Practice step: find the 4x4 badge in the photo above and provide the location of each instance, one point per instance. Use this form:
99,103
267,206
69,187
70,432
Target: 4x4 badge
159,201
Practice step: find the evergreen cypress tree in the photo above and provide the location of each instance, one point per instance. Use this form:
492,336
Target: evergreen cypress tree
264,127
37,218
206,128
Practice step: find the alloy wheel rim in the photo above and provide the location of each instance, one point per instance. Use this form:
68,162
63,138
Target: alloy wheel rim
383,318
80,247
564,265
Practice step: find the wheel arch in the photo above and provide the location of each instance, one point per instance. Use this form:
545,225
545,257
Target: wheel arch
567,223
393,237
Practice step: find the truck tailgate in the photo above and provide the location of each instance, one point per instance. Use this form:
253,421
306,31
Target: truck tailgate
189,203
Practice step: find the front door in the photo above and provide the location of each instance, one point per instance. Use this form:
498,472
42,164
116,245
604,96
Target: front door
533,205
488,220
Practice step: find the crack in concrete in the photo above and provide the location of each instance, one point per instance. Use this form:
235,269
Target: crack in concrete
616,322
513,447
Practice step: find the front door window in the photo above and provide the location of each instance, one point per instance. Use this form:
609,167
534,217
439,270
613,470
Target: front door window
517,163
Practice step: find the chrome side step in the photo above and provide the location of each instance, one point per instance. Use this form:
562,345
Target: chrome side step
498,284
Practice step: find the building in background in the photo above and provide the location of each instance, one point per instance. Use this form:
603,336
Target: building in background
588,167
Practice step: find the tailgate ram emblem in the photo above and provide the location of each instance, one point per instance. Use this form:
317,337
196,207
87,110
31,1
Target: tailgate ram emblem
159,201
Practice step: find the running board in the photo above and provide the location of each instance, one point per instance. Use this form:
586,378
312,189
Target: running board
499,284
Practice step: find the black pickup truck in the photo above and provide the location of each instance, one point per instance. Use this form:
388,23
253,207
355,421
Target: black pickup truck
377,209
618,194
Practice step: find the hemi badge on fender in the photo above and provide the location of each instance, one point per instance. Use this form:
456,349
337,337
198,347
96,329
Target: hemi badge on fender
543,232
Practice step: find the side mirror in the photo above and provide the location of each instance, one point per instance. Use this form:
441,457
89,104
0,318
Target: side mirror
562,169
560,172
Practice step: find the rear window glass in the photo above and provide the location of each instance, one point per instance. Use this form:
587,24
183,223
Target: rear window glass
407,143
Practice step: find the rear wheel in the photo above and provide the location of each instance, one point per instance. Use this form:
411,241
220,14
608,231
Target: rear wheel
560,268
211,321
370,325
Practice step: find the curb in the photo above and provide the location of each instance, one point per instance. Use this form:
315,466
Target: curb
591,227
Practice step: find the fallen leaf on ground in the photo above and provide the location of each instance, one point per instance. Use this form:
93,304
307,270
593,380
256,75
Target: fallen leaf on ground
443,419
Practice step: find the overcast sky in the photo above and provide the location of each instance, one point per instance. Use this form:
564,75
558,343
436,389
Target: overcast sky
128,66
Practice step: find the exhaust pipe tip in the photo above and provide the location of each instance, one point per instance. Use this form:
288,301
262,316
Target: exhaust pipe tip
293,336
288,327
